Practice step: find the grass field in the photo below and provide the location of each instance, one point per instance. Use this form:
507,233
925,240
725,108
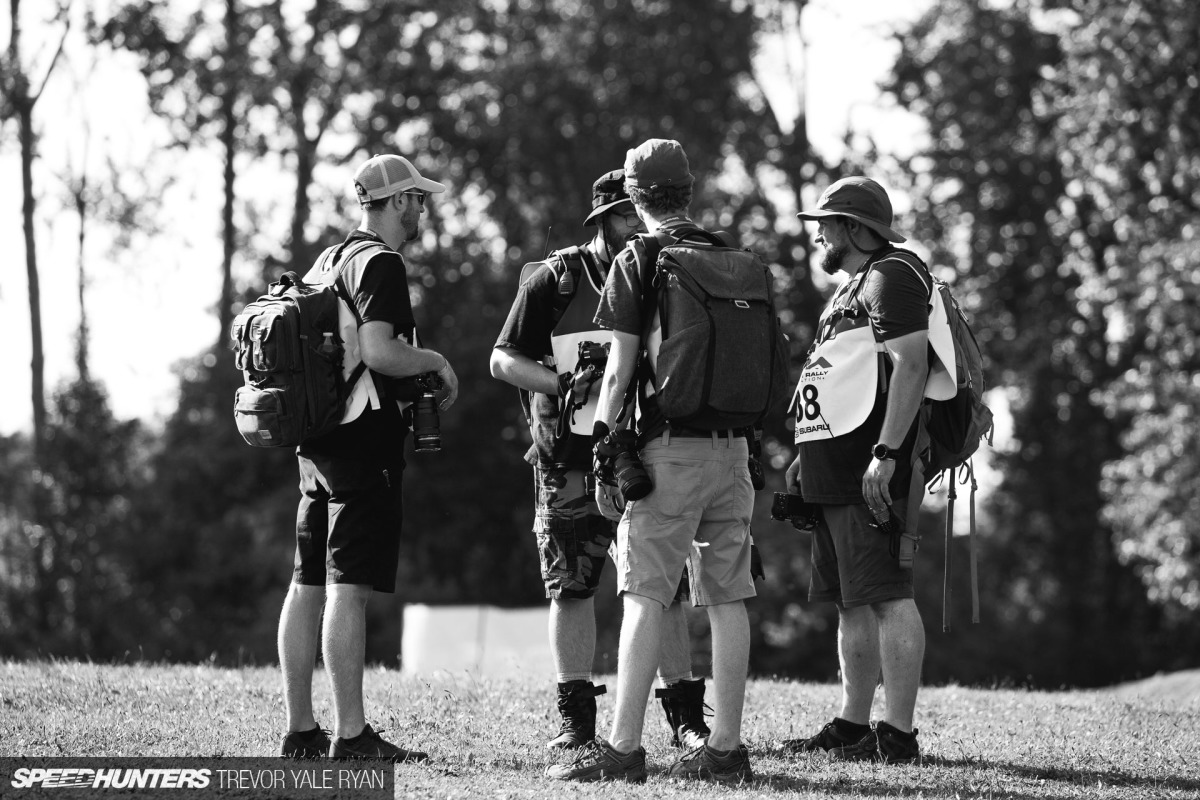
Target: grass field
487,738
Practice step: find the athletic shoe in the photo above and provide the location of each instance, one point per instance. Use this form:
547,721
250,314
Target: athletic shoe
598,761
683,702
838,733
577,706
306,744
706,764
886,744
370,744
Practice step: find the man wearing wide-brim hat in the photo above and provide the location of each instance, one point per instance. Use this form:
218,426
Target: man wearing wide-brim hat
856,426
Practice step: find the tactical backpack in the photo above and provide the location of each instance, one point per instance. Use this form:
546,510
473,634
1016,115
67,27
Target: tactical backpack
722,362
949,431
290,351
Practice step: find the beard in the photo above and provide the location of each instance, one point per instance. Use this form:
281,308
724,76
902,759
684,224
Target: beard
834,257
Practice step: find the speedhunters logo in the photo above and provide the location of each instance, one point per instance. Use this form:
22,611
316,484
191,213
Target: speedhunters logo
238,778
77,778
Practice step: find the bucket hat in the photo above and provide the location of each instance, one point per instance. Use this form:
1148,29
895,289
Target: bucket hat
859,199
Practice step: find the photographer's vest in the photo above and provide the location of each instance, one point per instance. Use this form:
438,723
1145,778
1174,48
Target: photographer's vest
577,294
845,369
366,392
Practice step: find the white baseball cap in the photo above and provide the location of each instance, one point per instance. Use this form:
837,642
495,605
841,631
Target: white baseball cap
385,175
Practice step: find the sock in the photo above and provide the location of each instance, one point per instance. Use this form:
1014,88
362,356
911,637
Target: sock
855,729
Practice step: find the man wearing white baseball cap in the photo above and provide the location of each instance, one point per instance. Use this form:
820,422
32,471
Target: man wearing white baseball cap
350,514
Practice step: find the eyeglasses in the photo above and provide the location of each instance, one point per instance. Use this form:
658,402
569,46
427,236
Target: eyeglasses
419,195
631,218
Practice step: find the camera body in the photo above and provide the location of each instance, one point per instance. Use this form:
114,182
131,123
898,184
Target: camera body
795,509
420,389
593,354
618,464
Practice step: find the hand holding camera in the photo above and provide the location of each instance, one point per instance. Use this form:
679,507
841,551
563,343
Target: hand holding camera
423,391
794,509
617,464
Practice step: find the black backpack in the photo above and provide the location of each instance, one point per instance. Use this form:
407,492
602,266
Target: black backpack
723,361
289,349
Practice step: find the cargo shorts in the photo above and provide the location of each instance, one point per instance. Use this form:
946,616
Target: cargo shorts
573,537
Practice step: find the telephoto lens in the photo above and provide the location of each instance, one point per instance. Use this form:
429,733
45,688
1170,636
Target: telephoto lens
427,435
632,478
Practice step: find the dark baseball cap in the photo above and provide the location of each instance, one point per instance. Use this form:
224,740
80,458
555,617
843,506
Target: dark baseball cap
608,192
656,163
859,199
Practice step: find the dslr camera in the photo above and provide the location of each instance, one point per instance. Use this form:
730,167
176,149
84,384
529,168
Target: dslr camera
592,354
794,509
420,389
618,464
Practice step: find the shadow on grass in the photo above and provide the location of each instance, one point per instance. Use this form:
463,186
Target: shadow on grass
916,781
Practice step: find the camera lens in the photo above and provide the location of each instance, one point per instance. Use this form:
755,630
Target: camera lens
427,437
631,476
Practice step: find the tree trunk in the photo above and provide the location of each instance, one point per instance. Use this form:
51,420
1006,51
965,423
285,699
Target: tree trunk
229,145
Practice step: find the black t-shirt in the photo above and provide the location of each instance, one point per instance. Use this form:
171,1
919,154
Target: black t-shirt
896,301
377,282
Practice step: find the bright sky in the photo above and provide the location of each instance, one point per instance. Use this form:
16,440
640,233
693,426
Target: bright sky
151,305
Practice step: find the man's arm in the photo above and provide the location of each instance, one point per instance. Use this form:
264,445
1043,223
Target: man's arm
910,368
386,354
622,359
512,366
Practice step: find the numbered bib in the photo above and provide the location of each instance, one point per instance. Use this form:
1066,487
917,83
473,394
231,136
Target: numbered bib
837,386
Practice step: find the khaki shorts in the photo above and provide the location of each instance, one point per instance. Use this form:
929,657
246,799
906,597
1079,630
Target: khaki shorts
698,515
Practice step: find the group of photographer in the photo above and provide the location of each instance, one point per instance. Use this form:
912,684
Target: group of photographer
647,358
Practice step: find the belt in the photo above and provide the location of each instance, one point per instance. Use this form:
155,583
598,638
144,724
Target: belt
684,432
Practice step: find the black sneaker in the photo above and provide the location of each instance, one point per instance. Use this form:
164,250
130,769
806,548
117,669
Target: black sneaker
838,733
599,761
886,744
706,764
577,705
369,744
683,703
306,744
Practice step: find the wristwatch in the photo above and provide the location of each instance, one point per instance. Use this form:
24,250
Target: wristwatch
883,452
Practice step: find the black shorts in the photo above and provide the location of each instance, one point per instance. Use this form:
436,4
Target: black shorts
351,511
852,564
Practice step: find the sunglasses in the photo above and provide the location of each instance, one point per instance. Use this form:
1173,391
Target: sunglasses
419,195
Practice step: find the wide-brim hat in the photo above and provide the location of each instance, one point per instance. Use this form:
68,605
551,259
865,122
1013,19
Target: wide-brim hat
382,176
608,192
859,199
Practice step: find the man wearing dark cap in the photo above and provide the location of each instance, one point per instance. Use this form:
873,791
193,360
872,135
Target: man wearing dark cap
550,348
350,515
856,412
698,514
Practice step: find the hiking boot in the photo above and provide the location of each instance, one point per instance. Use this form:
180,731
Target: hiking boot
838,733
577,705
370,744
306,744
683,702
706,764
598,761
886,744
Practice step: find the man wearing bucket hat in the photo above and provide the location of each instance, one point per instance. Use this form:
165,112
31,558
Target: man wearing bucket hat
551,350
856,411
350,514
701,501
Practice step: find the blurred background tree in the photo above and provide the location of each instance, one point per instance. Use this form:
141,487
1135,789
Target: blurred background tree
1056,190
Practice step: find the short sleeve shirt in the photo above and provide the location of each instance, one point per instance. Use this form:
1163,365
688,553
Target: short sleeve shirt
896,300
378,284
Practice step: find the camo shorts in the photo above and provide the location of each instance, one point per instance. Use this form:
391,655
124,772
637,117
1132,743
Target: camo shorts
572,535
